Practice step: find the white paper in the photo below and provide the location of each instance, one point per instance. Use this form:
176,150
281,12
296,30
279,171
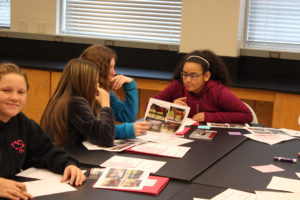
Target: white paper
162,149
199,199
298,174
40,174
284,184
47,187
138,163
120,145
266,195
291,132
186,122
161,138
269,139
231,194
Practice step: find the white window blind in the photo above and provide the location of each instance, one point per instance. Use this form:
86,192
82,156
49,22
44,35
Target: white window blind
273,24
156,21
4,13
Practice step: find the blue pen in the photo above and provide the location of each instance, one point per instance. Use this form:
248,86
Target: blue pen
291,160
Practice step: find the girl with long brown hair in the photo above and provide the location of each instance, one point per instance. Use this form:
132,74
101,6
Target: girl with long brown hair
72,113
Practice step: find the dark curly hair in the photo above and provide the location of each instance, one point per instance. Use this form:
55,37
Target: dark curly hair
215,65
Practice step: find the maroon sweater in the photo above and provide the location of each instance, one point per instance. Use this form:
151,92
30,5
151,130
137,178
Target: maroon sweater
215,100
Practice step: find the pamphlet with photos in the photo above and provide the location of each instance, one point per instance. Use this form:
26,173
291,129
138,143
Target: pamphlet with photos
228,125
165,117
122,178
266,131
203,134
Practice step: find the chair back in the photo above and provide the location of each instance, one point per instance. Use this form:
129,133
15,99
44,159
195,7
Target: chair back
255,120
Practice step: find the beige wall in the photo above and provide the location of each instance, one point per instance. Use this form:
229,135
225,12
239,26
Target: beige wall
34,16
211,24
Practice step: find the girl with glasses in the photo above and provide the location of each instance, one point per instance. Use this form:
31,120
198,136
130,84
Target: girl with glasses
200,82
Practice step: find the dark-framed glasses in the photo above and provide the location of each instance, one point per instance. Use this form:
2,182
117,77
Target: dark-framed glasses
193,76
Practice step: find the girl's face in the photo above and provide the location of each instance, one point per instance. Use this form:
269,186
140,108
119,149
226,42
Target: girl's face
112,71
13,94
193,77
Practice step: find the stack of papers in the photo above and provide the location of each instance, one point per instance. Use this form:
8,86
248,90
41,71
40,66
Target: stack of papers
52,180
160,149
137,163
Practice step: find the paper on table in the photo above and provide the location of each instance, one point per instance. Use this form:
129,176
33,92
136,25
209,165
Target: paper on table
291,132
46,187
161,138
127,162
161,149
266,195
235,195
186,122
40,174
234,133
120,145
284,184
268,168
298,174
199,199
269,139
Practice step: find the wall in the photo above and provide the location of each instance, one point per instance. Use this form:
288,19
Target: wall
32,16
209,24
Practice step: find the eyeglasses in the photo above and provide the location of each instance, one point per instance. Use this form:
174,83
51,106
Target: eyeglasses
193,76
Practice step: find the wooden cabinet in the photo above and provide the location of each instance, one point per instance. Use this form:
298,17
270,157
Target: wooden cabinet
273,109
55,76
286,111
38,95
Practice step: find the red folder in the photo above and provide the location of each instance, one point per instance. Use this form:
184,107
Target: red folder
160,184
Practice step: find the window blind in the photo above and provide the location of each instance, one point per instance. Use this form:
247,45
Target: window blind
157,21
273,24
4,13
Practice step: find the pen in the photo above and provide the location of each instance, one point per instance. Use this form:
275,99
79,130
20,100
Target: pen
291,160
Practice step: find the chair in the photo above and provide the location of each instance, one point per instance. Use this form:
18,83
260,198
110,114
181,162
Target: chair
255,120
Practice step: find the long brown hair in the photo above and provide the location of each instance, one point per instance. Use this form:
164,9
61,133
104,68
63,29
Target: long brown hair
101,56
78,79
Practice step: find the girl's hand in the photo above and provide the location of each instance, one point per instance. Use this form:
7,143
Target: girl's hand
102,97
180,101
74,174
13,190
199,117
140,128
119,80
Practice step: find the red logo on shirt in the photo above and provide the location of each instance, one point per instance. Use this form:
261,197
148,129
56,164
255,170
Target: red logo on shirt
19,146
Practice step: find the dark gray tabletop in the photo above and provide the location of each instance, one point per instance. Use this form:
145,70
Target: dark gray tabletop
234,171
202,155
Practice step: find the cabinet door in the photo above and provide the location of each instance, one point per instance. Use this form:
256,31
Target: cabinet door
38,95
286,111
55,77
